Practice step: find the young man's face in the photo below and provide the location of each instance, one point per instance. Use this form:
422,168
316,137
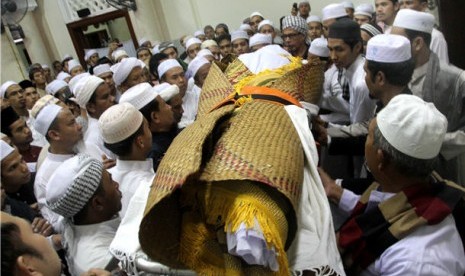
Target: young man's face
240,46
225,47
15,96
20,133
31,96
144,55
361,19
39,77
112,195
193,50
413,5
76,71
68,130
171,53
267,29
386,11
202,74
15,172
341,54
103,100
254,21
176,107
315,29
93,59
304,9
164,116
209,33
176,76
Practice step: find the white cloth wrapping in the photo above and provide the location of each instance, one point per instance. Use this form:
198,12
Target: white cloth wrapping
190,104
268,57
314,245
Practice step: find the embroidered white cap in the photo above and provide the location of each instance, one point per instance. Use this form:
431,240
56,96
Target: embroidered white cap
319,47
5,87
166,91
167,65
90,53
259,38
73,64
239,34
333,11
414,20
348,4
139,95
63,75
388,48
265,22
119,122
122,71
365,9
192,41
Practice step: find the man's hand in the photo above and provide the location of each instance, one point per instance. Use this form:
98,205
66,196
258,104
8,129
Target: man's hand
333,191
42,226
108,163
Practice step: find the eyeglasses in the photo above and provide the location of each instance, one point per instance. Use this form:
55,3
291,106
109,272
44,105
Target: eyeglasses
290,36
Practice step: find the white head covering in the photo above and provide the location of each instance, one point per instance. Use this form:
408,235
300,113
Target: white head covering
208,43
195,65
139,95
5,150
388,48
348,4
199,33
365,9
73,184
265,22
118,54
45,118
5,87
102,69
167,65
63,75
119,122
53,87
204,53
90,53
45,66
413,126
313,18
73,64
256,13
268,57
333,11
41,103
192,41
156,49
245,27
85,88
166,91
259,38
319,47
142,41
72,83
239,34
122,71
414,20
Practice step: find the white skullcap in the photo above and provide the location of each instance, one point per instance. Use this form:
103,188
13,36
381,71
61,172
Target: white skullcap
333,11
156,49
142,41
73,64
122,71
45,66
66,56
388,48
85,88
90,53
365,9
265,22
204,53
259,38
102,69
63,75
195,65
139,95
167,65
413,126
199,32
119,122
73,184
53,87
166,45
45,118
304,2
208,43
192,41
239,34
266,58
118,54
319,47
245,27
255,14
348,4
414,20
73,82
5,150
313,18
166,91
5,87
41,103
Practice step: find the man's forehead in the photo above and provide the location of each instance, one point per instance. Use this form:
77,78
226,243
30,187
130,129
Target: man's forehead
334,42
289,31
13,88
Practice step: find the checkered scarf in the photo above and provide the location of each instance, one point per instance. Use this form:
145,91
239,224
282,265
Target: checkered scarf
367,234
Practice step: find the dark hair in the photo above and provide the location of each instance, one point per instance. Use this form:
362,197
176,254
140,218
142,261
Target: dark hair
223,37
353,42
34,69
398,74
65,60
123,148
224,26
412,34
149,108
13,247
143,48
155,61
208,27
102,60
26,84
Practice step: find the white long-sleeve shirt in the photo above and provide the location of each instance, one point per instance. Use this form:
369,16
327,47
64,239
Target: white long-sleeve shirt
439,45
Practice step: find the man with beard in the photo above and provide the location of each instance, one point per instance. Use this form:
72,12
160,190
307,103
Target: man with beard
294,35
159,115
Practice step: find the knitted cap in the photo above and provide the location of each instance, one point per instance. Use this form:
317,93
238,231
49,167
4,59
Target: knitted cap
119,122
295,22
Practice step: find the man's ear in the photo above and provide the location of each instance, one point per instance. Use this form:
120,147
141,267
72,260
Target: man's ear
54,135
25,266
417,44
382,160
154,117
380,78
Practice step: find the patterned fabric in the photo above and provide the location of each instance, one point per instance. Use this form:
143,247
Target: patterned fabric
341,78
368,233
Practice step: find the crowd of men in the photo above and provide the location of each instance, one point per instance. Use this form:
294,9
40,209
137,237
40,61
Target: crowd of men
153,164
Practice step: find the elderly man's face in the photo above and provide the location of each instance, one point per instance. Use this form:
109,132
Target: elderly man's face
293,40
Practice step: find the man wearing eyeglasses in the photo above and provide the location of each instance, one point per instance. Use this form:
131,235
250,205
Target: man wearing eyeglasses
294,34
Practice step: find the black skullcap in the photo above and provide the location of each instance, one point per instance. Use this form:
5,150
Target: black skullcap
26,84
9,116
346,29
